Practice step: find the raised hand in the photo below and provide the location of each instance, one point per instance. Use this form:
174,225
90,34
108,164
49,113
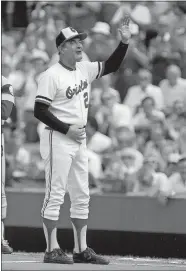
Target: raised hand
124,29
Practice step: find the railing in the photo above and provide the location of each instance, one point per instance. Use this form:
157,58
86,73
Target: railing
114,212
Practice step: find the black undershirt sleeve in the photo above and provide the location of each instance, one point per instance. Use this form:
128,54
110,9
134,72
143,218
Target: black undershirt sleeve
42,113
113,63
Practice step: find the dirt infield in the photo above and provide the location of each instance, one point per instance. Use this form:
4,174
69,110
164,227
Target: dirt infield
32,261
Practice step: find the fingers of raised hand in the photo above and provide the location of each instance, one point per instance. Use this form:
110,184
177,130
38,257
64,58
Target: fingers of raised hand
126,20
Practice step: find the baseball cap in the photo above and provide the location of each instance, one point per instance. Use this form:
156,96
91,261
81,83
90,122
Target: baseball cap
134,28
174,158
39,54
69,33
101,28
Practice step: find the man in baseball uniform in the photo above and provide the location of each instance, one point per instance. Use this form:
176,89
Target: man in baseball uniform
6,109
62,105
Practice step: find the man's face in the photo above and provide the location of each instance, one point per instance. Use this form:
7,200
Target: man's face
128,160
25,65
148,106
39,66
172,75
72,49
145,174
108,100
100,38
144,79
125,138
179,107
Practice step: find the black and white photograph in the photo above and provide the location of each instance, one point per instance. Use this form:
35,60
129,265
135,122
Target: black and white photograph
93,135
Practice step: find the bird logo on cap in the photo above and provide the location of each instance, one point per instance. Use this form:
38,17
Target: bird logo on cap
72,29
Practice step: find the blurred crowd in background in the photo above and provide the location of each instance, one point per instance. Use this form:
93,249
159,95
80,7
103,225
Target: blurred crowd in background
136,130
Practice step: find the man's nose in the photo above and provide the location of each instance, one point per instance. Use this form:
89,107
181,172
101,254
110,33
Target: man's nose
79,45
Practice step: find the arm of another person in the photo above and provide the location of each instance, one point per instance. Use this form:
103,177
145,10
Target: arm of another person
6,109
164,188
177,189
137,191
7,101
140,122
140,56
164,185
159,98
138,162
132,99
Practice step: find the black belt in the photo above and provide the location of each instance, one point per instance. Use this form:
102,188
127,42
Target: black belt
48,128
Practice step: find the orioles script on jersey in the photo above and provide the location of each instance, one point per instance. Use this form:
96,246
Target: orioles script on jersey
71,91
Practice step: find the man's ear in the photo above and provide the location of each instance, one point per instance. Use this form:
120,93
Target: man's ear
61,49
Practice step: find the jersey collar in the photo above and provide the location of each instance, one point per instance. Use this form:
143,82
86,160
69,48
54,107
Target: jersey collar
68,68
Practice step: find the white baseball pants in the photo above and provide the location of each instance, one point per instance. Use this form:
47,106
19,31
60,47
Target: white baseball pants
66,169
3,169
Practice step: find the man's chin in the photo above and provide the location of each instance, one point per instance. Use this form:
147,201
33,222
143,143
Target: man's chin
79,58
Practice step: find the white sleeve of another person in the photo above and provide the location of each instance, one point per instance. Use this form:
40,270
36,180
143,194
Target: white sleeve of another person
164,184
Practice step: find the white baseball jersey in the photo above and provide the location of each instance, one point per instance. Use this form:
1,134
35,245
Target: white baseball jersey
67,91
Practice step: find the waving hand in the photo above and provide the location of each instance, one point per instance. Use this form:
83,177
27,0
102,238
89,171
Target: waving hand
124,29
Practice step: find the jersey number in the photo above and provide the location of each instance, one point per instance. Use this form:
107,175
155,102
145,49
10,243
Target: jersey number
85,95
